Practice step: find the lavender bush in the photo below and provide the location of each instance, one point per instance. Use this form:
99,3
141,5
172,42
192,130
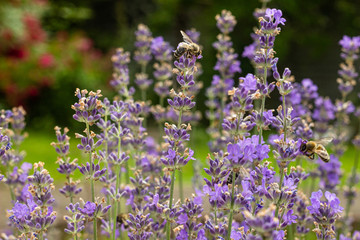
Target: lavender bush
254,186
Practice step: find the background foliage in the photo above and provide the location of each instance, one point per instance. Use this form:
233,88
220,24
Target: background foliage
79,36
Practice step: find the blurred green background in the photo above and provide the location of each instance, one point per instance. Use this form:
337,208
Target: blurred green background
48,48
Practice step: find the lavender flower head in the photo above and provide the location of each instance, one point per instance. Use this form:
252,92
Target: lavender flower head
87,108
5,144
143,42
350,47
95,209
140,226
349,52
264,221
193,35
75,222
246,151
325,213
330,173
286,151
36,215
225,22
161,49
121,80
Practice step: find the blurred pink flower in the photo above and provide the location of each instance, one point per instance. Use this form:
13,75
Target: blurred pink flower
84,44
35,33
18,53
46,60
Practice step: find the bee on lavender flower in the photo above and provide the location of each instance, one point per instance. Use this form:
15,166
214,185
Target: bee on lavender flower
310,148
122,219
230,177
188,47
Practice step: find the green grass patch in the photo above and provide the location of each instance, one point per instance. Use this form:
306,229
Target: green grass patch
37,147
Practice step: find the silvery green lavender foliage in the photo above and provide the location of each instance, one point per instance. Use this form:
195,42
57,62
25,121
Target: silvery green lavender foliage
256,187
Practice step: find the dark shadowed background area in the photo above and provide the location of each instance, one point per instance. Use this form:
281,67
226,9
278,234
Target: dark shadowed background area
80,36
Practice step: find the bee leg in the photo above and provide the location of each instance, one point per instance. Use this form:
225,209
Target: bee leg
312,156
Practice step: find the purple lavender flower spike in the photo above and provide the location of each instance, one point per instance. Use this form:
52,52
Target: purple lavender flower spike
139,226
93,210
227,65
161,49
92,171
350,47
121,78
325,213
355,236
330,173
66,166
75,222
286,152
225,22
143,42
87,109
304,218
18,125
187,220
5,144
162,52
36,215
264,222
142,56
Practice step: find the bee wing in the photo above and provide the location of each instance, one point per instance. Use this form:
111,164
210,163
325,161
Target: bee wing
322,153
325,141
186,37
182,45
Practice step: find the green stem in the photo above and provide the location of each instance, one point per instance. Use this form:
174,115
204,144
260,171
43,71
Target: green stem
231,206
262,107
75,231
179,119
143,98
285,120
168,224
143,95
93,200
117,186
106,158
127,180
280,186
161,101
215,214
292,231
160,131
92,182
143,92
222,107
12,194
115,212
211,124
181,189
263,6
161,125
71,196
127,174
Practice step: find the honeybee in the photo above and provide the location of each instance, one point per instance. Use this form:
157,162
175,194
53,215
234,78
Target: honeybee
230,177
310,148
239,172
188,47
122,219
